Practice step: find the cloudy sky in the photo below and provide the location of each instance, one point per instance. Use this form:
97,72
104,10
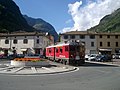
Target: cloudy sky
68,15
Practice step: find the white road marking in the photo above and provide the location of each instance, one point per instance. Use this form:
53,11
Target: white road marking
6,68
18,70
48,69
34,69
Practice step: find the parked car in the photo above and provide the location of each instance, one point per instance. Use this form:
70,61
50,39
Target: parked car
92,57
87,56
116,56
13,56
33,56
102,58
1,56
20,56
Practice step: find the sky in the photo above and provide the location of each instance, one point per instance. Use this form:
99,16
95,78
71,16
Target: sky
68,15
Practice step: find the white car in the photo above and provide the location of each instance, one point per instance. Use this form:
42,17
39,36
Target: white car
87,56
92,57
116,56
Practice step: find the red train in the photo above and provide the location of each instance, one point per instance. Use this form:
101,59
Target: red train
68,53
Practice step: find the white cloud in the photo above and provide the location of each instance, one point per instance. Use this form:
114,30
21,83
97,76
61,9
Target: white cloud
66,29
89,15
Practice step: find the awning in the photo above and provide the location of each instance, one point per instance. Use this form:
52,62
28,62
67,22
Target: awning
105,49
23,49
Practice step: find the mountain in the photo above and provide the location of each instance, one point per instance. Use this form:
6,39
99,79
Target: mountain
109,23
41,26
11,18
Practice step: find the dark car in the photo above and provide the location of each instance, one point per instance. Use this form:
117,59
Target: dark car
13,56
33,56
102,58
20,56
1,56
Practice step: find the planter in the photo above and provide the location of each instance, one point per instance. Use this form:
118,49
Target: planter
29,63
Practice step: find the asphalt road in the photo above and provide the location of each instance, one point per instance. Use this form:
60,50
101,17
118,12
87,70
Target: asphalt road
88,77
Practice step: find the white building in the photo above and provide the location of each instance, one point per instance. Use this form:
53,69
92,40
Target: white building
23,41
89,39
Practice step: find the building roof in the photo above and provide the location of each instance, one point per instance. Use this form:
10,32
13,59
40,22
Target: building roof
74,32
22,34
89,33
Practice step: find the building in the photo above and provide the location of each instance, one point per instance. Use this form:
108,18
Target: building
95,42
21,42
108,42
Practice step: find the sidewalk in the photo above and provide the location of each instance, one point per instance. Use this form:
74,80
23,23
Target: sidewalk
115,62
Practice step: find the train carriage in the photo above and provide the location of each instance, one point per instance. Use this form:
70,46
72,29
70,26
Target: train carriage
67,53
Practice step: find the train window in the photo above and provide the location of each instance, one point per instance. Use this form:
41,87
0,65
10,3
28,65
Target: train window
50,50
60,50
66,48
56,50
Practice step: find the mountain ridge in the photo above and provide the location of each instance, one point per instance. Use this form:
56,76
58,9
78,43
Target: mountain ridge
109,23
41,25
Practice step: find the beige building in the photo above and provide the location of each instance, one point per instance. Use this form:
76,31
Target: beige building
95,42
23,41
109,42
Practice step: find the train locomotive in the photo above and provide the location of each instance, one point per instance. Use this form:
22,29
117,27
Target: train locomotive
71,53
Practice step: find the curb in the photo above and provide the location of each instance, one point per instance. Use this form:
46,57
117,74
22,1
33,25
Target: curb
57,72
104,63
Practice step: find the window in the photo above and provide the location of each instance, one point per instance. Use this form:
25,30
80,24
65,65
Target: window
60,49
100,36
116,44
101,44
72,36
15,41
65,36
92,44
108,44
82,36
56,50
37,36
50,50
108,36
116,36
92,36
25,41
37,41
66,48
6,41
